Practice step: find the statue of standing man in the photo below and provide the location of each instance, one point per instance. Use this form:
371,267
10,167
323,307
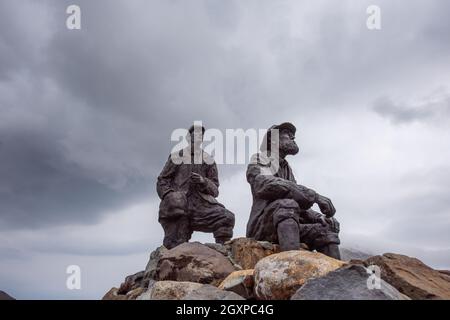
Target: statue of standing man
281,211
188,188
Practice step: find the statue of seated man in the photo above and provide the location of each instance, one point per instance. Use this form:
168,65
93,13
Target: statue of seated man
281,211
188,188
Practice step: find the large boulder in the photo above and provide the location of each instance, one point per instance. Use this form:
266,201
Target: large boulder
114,294
411,276
247,252
240,282
184,290
193,262
131,282
152,265
347,283
168,290
209,292
280,275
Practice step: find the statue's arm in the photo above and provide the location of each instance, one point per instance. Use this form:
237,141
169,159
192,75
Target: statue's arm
311,216
164,183
267,186
211,185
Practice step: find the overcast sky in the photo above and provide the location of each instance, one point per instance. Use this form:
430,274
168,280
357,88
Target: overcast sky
86,117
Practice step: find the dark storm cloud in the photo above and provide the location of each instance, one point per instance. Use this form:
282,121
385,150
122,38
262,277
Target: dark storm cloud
40,187
87,115
86,118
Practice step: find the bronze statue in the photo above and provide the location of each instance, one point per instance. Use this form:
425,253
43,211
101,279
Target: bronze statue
281,211
188,191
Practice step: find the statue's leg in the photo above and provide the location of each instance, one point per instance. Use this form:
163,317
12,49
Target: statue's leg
321,238
170,233
288,235
211,217
172,216
285,220
331,250
184,231
223,229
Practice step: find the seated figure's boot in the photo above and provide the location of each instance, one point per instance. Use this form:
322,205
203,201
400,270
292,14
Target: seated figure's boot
288,235
331,250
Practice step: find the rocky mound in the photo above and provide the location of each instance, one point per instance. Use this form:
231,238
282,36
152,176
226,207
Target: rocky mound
248,269
5,296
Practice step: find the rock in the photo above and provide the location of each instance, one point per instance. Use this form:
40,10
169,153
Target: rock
222,249
277,277
240,282
133,294
247,252
168,290
346,283
446,272
209,292
193,262
131,282
411,276
113,295
5,296
150,269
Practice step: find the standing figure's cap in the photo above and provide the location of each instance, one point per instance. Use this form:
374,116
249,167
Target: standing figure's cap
191,129
267,140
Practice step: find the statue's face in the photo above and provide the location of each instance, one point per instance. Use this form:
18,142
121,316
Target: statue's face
196,139
287,143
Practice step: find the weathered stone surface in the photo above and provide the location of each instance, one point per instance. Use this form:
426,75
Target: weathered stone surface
131,282
193,262
280,275
221,248
113,295
445,272
133,294
247,252
411,276
150,269
5,296
346,283
240,282
209,292
168,290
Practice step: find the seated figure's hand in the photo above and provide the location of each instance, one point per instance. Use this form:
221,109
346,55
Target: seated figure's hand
197,179
334,224
325,205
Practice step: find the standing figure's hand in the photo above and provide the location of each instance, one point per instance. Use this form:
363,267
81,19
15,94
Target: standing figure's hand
326,206
197,179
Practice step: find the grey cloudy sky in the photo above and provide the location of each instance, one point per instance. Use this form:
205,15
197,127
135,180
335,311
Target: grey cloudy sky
86,118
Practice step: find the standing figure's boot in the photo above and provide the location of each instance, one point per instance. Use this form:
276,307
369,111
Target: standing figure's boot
331,250
288,235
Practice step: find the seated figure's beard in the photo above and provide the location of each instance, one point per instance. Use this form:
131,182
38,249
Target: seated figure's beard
289,148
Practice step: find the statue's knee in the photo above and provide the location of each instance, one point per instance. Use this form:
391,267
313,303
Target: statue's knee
229,218
286,203
285,209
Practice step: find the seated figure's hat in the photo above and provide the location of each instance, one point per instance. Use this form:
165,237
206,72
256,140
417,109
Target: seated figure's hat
267,140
